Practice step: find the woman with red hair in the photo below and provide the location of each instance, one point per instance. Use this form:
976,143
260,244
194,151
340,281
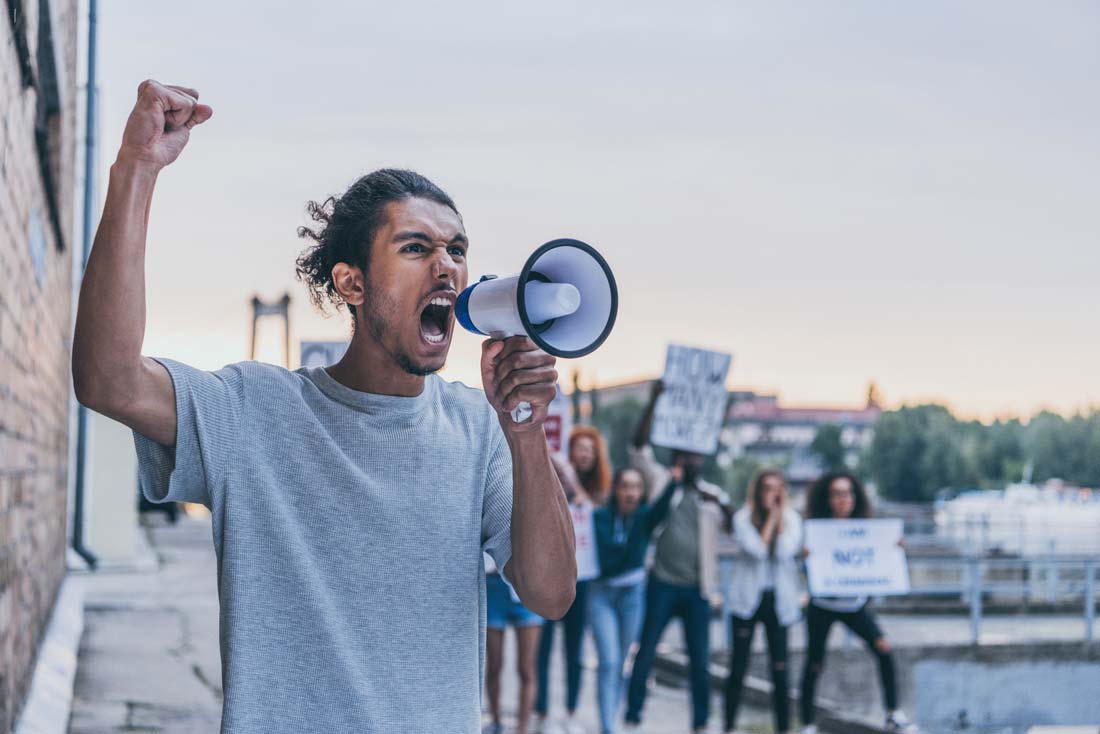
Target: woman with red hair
588,457
591,471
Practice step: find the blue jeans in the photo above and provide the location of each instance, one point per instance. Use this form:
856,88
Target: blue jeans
573,622
663,602
615,613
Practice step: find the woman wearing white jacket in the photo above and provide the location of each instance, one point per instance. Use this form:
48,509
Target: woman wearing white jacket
764,587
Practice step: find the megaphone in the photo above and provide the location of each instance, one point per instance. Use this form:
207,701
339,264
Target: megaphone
565,299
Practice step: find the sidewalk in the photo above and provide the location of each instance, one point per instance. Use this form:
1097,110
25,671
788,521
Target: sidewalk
149,656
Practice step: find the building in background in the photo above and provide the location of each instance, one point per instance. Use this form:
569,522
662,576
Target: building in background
38,115
758,428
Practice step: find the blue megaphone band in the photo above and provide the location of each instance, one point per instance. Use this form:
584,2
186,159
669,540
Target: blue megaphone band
462,310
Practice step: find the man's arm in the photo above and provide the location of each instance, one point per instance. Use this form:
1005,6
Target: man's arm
645,424
110,375
543,566
658,511
570,484
640,455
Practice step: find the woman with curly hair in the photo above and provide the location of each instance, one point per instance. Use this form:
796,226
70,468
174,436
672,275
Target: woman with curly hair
841,496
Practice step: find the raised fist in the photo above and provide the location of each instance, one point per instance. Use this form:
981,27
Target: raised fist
160,123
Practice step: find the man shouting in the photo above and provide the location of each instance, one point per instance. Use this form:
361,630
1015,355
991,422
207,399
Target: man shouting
351,504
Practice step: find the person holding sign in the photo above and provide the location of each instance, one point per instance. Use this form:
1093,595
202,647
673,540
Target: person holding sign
590,483
764,588
685,568
616,600
841,496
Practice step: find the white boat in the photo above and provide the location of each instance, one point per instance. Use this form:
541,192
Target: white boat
1023,520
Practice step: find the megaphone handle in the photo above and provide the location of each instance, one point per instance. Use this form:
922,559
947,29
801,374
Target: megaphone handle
522,413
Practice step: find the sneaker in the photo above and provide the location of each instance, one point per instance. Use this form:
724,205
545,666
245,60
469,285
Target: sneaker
809,729
899,722
572,726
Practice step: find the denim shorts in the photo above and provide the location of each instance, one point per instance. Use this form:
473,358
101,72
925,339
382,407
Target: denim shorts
503,608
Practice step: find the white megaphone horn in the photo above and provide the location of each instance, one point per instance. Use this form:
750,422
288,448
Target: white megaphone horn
564,299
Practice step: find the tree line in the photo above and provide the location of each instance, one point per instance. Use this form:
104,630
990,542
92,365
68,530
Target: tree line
919,450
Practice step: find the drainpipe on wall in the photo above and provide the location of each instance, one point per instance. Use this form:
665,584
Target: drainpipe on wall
82,412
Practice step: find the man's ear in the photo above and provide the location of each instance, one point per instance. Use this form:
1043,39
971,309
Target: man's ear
349,282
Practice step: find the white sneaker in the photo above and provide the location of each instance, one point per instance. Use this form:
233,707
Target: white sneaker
899,722
809,729
572,726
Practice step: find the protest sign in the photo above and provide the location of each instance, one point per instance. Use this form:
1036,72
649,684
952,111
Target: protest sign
588,561
856,558
558,423
690,412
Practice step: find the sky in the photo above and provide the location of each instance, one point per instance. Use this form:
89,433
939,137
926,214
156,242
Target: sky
835,193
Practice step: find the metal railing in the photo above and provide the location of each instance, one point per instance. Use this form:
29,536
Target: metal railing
977,533
974,578
1050,578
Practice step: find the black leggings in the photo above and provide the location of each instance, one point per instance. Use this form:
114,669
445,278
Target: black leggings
743,630
862,623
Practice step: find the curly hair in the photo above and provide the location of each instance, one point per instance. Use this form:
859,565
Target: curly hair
346,225
817,497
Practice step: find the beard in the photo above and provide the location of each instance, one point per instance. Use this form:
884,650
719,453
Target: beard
380,315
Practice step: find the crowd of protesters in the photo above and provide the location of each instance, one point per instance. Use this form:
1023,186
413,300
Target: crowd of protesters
656,531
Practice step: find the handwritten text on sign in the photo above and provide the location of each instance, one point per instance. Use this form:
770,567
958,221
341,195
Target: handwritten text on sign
856,558
691,409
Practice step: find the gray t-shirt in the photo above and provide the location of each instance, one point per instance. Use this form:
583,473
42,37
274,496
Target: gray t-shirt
676,559
349,530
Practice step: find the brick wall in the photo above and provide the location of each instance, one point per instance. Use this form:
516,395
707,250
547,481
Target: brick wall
35,303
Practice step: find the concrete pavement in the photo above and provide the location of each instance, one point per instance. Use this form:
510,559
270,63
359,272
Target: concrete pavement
149,657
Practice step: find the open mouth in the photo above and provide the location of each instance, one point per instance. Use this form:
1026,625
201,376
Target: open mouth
435,319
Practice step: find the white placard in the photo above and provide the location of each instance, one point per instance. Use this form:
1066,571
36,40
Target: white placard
691,409
559,422
322,354
588,561
856,558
